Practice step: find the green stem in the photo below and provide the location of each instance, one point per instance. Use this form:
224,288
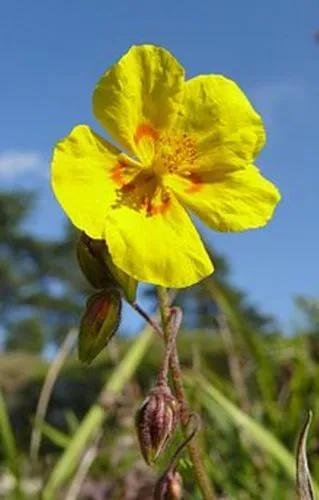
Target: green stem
193,447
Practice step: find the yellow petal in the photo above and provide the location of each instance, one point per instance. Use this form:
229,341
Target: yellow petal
138,97
221,120
163,249
233,202
83,165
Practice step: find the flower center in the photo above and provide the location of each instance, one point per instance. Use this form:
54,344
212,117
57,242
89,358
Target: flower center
144,193
174,153
140,185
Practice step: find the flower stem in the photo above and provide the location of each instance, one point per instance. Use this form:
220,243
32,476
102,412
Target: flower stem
193,447
175,322
151,321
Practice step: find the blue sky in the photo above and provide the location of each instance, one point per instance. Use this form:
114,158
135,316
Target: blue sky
52,54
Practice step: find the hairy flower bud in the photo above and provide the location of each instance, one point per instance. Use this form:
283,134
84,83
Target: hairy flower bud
99,323
99,269
169,486
156,421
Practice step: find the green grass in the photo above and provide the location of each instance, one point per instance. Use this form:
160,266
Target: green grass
249,454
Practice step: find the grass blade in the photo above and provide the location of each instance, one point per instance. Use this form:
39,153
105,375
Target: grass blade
7,438
304,484
9,446
93,420
57,437
46,391
256,432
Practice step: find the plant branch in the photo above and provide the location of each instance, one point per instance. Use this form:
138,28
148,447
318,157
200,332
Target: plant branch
151,321
175,322
193,447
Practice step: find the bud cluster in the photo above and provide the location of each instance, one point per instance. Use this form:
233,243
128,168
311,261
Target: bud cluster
157,417
103,311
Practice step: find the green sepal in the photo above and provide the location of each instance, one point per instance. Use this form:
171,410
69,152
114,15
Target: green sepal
99,269
127,284
92,265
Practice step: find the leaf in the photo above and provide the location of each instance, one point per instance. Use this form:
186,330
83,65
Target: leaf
304,484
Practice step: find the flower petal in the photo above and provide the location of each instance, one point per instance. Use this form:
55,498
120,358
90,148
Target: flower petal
83,165
221,120
138,97
163,249
233,202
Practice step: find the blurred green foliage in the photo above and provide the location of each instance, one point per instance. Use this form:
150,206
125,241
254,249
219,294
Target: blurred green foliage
239,466
41,288
251,383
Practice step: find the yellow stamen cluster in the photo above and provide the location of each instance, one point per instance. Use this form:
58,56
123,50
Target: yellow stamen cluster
174,153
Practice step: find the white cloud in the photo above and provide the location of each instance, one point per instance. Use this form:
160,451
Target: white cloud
273,97
16,163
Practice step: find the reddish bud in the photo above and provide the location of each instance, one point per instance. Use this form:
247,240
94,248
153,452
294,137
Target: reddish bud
156,421
169,486
99,323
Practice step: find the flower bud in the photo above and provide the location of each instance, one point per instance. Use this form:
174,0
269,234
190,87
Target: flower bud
91,264
99,323
169,486
156,421
97,266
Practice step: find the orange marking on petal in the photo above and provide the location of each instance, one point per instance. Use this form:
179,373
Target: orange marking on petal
117,174
129,187
196,183
161,208
145,130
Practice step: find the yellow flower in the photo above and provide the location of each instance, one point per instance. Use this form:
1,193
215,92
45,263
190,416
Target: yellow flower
189,145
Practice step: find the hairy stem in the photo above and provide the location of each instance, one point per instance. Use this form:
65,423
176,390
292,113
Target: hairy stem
193,447
175,322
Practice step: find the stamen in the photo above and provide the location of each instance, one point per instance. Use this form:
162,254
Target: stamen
159,204
143,189
124,170
174,153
